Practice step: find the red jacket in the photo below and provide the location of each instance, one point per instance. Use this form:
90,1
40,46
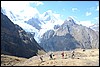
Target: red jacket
62,54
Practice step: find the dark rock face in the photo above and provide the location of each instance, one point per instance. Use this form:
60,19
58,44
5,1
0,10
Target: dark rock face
48,34
56,26
15,41
34,22
70,36
60,43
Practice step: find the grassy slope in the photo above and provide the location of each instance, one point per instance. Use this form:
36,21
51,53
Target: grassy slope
89,57
7,60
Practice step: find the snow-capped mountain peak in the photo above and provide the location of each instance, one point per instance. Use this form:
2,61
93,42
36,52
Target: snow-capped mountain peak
95,27
23,14
72,19
49,12
32,21
49,16
69,18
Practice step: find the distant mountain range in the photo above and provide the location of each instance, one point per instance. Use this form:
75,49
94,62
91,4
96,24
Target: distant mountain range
54,34
37,23
70,36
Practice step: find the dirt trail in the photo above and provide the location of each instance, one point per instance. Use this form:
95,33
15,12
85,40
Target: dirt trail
89,57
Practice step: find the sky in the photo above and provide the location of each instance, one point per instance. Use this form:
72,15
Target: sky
86,12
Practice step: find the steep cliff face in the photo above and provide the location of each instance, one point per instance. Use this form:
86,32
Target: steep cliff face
70,36
15,41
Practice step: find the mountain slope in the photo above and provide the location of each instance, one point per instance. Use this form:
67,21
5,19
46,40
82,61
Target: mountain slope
89,57
70,36
7,60
95,27
33,21
15,41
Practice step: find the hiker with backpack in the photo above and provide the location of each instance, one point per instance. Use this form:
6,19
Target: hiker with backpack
73,54
51,56
66,56
62,55
41,58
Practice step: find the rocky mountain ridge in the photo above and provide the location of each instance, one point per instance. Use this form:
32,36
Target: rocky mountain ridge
15,41
70,36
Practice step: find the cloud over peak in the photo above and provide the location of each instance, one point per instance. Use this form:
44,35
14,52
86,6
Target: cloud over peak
38,3
97,9
88,13
86,23
74,9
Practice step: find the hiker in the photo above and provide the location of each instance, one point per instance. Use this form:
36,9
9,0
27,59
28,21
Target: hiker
54,57
73,54
62,54
41,58
83,50
51,56
66,56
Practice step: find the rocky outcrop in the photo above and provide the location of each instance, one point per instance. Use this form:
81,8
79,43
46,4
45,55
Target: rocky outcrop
56,26
70,36
34,22
15,41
